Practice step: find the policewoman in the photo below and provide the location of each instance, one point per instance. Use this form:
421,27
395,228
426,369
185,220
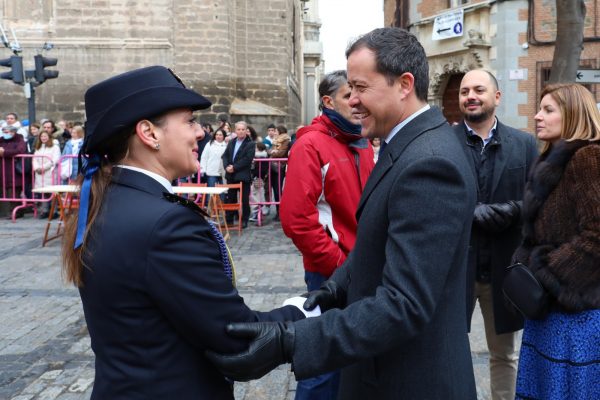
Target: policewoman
154,275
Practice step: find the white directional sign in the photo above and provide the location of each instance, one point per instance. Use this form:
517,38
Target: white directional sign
448,25
588,76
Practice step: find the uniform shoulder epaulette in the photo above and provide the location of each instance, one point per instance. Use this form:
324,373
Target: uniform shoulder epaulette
173,198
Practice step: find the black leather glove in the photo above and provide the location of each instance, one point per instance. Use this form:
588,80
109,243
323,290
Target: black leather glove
272,344
497,217
329,296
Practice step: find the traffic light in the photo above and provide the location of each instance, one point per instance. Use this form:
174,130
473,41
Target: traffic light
15,63
42,62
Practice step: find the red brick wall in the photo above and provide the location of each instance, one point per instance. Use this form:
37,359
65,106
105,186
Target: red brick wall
545,29
428,8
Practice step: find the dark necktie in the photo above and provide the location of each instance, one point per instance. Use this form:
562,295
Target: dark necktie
382,147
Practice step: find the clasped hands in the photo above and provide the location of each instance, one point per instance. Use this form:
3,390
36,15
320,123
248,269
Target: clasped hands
271,343
497,217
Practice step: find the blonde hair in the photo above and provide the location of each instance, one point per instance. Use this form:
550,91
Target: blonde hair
79,130
580,115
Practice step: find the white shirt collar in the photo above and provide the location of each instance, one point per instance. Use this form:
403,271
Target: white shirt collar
405,122
160,179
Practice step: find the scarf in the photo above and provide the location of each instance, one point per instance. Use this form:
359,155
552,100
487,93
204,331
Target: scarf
342,123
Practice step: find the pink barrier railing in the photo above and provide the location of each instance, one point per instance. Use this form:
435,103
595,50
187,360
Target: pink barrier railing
18,177
272,172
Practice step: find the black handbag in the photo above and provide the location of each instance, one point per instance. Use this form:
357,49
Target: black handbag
522,289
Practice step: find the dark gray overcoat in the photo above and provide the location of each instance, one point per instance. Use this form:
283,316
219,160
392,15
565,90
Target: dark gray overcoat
402,333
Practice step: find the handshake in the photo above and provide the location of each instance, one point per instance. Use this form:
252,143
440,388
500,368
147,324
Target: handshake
271,343
497,217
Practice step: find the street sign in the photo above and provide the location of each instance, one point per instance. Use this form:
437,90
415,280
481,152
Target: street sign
448,25
588,76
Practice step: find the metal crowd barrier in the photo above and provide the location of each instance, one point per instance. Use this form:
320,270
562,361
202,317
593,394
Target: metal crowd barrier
272,173
18,190
268,177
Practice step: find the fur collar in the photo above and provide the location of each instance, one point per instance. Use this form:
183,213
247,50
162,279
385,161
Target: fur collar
545,175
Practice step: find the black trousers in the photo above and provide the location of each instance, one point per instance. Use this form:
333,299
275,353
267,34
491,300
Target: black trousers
232,195
277,183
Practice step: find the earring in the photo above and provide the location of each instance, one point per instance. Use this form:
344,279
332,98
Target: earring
157,146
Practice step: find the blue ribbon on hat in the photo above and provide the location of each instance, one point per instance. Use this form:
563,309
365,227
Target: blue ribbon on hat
89,165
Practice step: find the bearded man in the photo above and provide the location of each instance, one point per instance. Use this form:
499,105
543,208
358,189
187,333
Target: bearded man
500,157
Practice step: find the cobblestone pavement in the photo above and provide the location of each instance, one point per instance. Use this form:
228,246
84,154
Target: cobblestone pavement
44,347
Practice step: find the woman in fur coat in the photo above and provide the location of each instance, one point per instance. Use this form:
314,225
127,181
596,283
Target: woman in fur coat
560,354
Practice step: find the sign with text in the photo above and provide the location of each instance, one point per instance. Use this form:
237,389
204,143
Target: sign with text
516,74
588,76
448,25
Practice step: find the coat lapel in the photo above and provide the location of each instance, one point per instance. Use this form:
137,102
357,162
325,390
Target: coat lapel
461,134
501,156
242,145
430,119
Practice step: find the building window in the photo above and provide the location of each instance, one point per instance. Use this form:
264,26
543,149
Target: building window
457,3
401,14
545,67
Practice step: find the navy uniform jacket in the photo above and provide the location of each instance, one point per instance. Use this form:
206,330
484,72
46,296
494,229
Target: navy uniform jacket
155,297
402,333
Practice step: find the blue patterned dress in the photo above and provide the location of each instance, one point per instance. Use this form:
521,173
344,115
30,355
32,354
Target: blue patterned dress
560,357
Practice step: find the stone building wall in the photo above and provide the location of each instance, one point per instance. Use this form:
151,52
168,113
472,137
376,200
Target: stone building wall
228,50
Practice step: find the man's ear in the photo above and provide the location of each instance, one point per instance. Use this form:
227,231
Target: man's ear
327,102
148,134
406,83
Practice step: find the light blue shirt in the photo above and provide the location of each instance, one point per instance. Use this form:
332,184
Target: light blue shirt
236,147
490,134
405,122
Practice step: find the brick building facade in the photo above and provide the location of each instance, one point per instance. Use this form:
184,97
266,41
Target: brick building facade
244,55
514,39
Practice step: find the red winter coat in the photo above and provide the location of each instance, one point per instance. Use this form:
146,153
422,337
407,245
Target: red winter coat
327,171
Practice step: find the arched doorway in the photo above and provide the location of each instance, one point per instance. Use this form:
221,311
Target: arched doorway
450,106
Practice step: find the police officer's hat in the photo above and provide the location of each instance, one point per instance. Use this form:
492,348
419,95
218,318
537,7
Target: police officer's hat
119,102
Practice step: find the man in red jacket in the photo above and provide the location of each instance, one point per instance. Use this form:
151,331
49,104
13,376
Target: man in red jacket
328,167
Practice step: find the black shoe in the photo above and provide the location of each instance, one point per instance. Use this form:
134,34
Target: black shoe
244,225
276,218
44,215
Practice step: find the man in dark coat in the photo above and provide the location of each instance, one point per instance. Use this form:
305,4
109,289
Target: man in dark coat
395,310
237,160
500,157
11,168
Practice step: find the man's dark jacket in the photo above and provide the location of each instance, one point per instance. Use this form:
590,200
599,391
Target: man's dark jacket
242,162
402,333
515,153
155,297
